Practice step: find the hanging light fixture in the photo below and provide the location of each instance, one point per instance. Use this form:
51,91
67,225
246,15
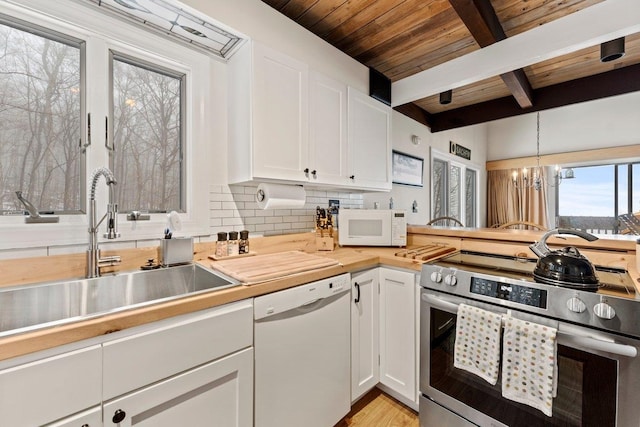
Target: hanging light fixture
537,178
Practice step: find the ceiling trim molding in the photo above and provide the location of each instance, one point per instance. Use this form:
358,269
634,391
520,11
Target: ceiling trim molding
603,85
588,27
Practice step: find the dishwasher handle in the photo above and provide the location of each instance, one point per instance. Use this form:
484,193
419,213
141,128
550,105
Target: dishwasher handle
566,334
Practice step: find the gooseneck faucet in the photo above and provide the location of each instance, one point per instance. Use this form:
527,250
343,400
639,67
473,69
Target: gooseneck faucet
94,262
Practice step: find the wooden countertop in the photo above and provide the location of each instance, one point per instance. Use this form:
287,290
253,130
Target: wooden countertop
606,242
351,259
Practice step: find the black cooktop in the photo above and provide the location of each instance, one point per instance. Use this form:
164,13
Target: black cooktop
611,279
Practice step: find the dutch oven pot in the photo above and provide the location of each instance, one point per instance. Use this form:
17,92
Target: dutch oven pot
565,267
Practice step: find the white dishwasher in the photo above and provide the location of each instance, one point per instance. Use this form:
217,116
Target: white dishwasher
302,355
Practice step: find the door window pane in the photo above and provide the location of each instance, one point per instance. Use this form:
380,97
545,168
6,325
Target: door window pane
147,132
470,198
455,193
439,188
40,111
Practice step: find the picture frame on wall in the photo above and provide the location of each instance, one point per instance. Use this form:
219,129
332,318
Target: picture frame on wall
407,169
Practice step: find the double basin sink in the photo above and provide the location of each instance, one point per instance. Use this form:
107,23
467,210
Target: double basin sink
31,307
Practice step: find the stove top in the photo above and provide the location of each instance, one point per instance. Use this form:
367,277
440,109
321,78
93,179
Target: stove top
508,282
613,281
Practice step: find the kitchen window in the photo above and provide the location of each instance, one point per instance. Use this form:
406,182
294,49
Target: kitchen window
598,196
147,151
80,90
454,189
40,118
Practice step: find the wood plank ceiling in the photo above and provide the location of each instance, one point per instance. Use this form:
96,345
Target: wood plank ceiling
400,38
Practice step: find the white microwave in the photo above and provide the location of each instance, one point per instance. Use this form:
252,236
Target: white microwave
372,227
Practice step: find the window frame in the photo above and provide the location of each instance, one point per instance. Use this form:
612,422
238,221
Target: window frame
101,32
449,160
115,55
618,171
73,41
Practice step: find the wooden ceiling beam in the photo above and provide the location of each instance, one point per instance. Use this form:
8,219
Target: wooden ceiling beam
482,22
603,85
414,112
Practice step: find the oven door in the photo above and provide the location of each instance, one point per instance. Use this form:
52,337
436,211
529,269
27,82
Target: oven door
596,376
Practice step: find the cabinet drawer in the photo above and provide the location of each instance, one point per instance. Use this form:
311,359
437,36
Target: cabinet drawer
138,360
219,393
39,392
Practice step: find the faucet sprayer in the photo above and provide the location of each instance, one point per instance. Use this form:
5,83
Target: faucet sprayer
93,253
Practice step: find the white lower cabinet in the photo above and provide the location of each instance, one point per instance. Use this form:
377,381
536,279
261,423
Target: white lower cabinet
194,370
51,389
190,370
364,332
384,349
219,393
398,345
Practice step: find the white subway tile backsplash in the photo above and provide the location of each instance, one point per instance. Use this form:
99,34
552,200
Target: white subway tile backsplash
234,208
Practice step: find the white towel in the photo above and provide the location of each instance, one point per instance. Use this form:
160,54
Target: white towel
529,364
477,348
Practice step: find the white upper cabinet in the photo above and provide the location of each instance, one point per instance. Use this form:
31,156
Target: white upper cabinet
369,142
280,115
289,123
327,161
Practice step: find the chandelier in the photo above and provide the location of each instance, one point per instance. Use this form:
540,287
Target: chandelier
537,179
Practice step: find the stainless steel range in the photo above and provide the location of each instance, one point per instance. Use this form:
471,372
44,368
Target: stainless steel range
598,340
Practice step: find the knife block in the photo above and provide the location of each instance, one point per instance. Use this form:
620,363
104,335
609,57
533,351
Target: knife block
324,243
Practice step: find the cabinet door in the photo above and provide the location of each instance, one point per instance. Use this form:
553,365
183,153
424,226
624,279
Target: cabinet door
364,332
217,394
327,131
369,142
49,389
280,115
89,418
398,332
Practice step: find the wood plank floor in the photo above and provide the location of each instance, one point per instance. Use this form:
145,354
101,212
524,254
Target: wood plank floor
377,409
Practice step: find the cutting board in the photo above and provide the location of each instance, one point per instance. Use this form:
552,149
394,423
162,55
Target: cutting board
261,268
425,252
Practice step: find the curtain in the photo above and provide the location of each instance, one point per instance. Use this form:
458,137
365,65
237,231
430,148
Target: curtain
508,202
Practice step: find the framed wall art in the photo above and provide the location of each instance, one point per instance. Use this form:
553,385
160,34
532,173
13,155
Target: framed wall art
407,169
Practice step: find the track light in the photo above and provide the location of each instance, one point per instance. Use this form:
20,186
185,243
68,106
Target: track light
445,97
612,50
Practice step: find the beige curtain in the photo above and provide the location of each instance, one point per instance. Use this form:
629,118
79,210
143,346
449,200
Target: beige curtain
507,202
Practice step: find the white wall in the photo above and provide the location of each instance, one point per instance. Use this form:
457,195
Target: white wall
472,137
609,122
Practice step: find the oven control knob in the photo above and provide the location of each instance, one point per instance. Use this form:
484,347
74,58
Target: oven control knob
436,277
451,280
604,311
576,305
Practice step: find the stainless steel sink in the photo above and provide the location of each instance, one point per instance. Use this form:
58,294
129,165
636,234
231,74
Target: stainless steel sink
31,307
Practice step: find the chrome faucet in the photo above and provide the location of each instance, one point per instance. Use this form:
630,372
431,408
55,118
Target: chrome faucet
94,262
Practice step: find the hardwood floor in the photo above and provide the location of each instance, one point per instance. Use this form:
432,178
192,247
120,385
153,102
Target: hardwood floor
377,409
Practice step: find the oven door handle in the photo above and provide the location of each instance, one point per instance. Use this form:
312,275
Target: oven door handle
566,334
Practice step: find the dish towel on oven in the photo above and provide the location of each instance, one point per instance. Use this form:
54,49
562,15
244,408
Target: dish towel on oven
529,364
477,347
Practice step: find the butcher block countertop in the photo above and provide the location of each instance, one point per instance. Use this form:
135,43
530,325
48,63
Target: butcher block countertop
348,260
424,244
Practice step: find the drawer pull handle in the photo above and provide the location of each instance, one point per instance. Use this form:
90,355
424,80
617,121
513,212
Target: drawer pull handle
118,416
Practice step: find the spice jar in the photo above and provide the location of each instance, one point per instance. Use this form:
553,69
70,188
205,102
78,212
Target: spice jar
221,245
232,245
244,242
